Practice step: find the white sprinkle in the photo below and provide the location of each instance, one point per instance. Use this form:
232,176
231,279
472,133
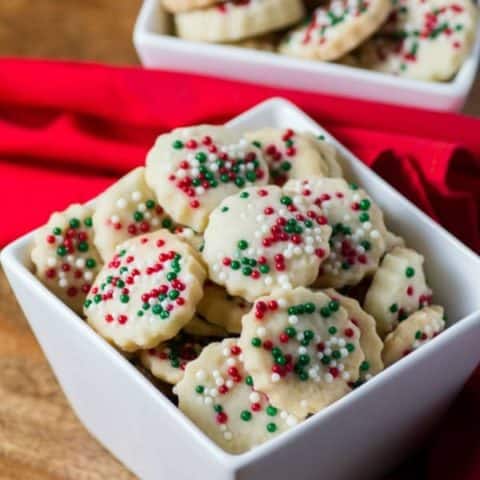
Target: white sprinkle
275,377
121,203
136,196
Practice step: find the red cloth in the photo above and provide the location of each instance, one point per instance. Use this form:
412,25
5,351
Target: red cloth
68,130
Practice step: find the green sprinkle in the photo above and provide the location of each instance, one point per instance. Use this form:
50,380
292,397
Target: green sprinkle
365,204
246,416
364,217
200,389
271,428
74,223
88,222
409,272
177,144
242,244
393,308
256,342
91,263
364,366
272,411
332,330
249,380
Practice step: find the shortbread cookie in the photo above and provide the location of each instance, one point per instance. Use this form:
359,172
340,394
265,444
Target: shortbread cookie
220,308
176,6
218,395
234,20
370,342
292,155
336,28
358,231
127,209
264,238
424,40
398,289
168,360
192,170
200,327
418,329
329,154
147,292
301,350
65,257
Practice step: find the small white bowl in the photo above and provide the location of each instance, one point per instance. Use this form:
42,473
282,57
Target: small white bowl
157,49
362,435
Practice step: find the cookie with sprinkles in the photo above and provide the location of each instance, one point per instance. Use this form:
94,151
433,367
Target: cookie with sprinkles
193,169
301,349
370,342
219,396
234,20
176,6
418,329
168,360
147,292
336,28
423,40
127,209
398,289
292,155
358,231
65,257
201,327
222,309
265,238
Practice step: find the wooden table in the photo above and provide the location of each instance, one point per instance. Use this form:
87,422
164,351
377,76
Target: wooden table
40,438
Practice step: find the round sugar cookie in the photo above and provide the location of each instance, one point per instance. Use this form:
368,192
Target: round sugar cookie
358,231
200,327
193,169
336,28
222,309
176,6
262,239
301,349
127,209
370,342
147,292
65,257
418,329
398,289
423,40
168,360
235,20
218,395
292,155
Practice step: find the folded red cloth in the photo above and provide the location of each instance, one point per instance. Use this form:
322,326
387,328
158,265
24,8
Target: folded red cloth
68,130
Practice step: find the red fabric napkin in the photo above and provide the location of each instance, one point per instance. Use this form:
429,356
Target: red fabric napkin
69,130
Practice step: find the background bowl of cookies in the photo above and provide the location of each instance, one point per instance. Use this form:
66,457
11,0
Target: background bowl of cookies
405,52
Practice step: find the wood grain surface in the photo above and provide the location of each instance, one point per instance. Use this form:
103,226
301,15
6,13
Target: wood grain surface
40,438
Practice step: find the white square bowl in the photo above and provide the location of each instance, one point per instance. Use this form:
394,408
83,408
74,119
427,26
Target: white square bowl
363,434
158,49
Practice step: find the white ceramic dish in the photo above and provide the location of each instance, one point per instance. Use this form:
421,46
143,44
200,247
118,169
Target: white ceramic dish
360,436
157,49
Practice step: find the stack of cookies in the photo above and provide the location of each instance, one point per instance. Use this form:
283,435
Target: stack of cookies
420,39
251,280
